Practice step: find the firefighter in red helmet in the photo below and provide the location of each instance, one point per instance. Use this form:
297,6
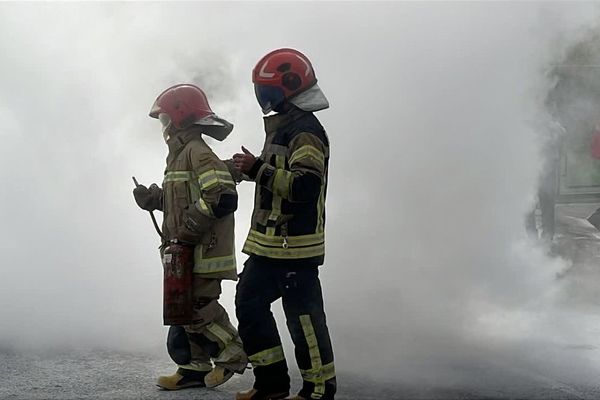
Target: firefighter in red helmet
198,199
286,243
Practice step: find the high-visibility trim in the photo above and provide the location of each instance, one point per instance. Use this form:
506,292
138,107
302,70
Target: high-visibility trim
324,374
219,333
197,366
232,352
194,190
204,208
282,182
251,247
178,176
315,354
308,151
213,177
213,264
321,206
276,203
293,241
267,357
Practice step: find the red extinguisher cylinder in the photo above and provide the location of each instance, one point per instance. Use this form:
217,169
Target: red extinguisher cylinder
178,265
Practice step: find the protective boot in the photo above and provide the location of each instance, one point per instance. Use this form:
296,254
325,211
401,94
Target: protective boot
182,379
217,376
253,394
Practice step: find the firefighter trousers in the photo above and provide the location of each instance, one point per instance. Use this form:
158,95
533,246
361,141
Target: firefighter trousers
263,281
212,337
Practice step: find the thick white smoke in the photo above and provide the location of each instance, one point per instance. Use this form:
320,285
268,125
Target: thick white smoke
435,159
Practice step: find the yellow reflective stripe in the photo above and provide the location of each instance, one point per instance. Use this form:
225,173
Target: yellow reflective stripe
251,247
221,334
214,177
194,190
324,374
313,351
276,203
213,264
203,207
281,183
307,151
293,241
178,176
267,357
197,366
321,206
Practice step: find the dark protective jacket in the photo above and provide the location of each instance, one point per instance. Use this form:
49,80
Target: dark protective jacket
288,221
195,177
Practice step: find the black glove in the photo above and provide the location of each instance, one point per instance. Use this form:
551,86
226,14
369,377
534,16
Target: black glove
149,199
195,225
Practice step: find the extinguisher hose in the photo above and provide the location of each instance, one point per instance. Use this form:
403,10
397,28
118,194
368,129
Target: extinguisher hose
156,226
151,215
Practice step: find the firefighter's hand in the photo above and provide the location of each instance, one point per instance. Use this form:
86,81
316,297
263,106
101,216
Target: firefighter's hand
244,162
194,226
235,173
149,199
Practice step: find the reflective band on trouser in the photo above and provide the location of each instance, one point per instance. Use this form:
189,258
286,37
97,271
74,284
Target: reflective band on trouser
308,151
197,366
251,247
217,334
213,177
267,357
317,370
326,373
214,264
177,176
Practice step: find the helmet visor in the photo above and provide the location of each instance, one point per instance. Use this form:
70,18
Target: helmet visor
268,97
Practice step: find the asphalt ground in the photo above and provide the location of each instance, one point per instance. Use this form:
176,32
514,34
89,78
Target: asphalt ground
112,375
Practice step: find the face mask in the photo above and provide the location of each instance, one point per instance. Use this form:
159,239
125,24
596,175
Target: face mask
165,120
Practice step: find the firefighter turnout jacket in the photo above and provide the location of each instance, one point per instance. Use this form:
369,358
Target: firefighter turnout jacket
288,221
195,177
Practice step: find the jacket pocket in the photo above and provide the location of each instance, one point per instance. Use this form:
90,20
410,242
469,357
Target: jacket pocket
181,194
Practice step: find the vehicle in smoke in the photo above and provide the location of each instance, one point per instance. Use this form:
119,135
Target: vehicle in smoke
571,142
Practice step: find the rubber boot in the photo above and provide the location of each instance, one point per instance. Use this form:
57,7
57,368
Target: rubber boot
182,379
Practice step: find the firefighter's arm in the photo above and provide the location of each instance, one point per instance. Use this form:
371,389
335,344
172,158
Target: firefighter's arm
236,174
302,182
217,197
213,197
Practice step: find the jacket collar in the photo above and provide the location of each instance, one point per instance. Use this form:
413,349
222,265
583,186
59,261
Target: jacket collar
277,121
181,138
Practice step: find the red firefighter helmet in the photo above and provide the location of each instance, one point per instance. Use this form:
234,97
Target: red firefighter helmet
281,75
185,104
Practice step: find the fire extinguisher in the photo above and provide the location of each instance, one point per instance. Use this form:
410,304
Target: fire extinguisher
178,268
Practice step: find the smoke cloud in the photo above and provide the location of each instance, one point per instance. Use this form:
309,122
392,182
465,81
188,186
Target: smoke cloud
435,161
